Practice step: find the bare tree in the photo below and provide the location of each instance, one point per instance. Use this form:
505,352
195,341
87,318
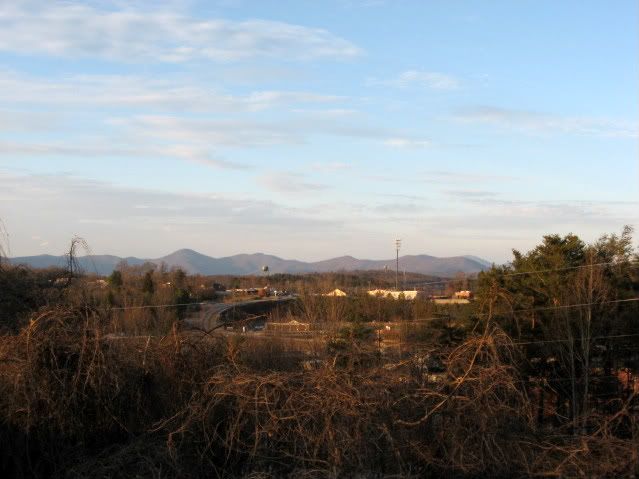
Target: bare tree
4,244
73,266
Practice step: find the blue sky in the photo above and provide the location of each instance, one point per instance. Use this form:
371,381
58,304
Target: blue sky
312,129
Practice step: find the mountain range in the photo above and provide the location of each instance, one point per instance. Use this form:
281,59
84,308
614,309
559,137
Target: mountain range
245,264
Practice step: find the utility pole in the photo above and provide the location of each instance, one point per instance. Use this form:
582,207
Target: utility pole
398,244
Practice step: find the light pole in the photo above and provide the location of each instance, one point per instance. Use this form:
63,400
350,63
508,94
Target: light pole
398,244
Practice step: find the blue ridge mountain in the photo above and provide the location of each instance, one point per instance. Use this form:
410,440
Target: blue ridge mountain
245,264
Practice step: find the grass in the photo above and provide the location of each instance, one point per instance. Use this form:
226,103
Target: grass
76,402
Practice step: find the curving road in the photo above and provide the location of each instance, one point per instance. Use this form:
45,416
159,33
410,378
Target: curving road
208,318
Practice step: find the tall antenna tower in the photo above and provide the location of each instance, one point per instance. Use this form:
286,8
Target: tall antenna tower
398,245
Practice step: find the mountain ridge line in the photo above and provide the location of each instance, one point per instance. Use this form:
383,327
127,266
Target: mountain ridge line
194,262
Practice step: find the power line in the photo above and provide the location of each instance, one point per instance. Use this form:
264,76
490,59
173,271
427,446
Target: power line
398,245
521,273
551,381
566,340
148,306
567,268
543,308
201,303
612,336
568,306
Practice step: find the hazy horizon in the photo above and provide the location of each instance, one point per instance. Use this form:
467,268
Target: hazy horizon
82,253
313,130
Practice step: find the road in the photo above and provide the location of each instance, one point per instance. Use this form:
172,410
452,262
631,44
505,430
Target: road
208,318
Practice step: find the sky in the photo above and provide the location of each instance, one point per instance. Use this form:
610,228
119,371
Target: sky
312,129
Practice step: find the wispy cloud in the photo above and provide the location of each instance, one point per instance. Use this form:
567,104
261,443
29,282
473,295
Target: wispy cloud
406,209
70,29
201,156
544,213
41,241
363,3
420,79
102,150
194,138
288,183
172,93
26,121
139,116
497,225
546,123
215,132
456,180
328,113
406,197
331,166
471,194
247,132
466,176
407,143
100,211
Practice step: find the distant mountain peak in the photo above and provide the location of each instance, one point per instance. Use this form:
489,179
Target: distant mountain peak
243,264
188,251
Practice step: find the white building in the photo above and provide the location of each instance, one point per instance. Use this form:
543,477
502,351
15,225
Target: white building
386,293
336,292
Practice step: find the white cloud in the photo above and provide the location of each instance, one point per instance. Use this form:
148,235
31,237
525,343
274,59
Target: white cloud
193,138
140,92
41,241
225,224
435,80
466,176
407,143
267,99
410,210
145,124
25,121
330,166
468,194
456,180
100,212
543,123
544,213
243,132
212,132
419,78
288,183
101,150
330,113
198,155
75,29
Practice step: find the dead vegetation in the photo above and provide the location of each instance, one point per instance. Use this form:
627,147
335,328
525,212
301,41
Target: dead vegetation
76,402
